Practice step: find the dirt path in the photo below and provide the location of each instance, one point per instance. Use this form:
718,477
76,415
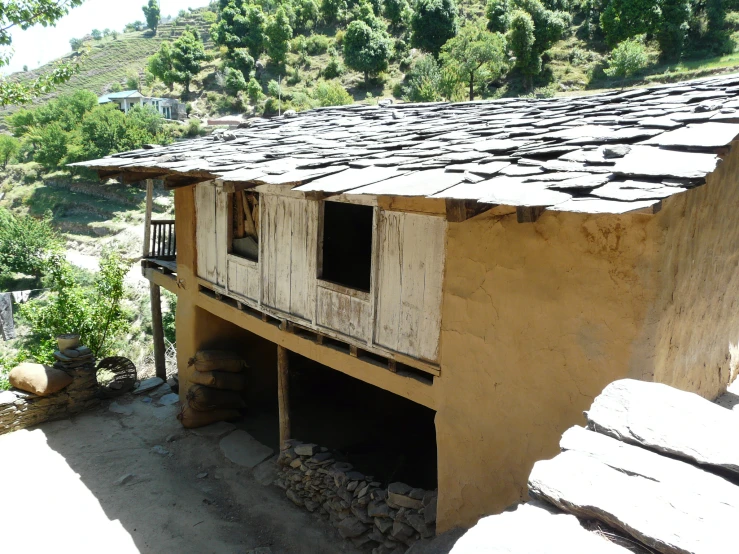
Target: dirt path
96,483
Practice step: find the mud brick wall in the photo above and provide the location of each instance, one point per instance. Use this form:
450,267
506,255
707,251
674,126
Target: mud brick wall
389,519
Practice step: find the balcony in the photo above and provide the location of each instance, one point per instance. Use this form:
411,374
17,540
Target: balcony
161,245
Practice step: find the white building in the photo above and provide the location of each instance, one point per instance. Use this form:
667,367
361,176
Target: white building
169,108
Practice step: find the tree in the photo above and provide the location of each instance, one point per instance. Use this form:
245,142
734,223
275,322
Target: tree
161,65
366,49
25,245
96,34
278,33
76,44
306,13
26,14
622,19
521,39
673,28
498,13
331,10
423,80
240,60
9,147
626,59
52,145
152,14
97,314
433,23
475,55
188,54
240,26
549,25
235,81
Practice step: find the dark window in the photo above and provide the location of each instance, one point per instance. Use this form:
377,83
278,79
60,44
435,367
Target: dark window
347,244
245,221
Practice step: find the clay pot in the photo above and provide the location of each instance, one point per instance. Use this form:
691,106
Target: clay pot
68,341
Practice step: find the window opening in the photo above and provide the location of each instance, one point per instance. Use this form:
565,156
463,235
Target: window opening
347,245
245,218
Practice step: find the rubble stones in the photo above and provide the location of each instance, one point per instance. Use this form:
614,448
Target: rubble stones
358,507
147,385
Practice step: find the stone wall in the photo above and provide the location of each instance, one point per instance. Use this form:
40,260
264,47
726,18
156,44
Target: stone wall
388,519
19,409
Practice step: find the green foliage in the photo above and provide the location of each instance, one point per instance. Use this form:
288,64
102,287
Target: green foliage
235,81
627,58
169,316
240,26
193,128
331,10
26,244
331,93
399,13
188,54
366,49
334,68
7,363
474,57
521,40
76,44
240,60
96,34
97,314
672,30
161,65
433,23
132,81
273,89
52,145
278,34
152,14
9,147
254,90
423,81
498,13
317,44
549,25
307,13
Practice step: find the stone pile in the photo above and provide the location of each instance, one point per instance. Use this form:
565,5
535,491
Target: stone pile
20,409
388,519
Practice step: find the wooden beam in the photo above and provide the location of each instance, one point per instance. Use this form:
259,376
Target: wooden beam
283,393
462,210
528,214
157,331
172,182
147,216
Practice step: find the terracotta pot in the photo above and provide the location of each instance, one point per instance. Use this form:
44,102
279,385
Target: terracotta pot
68,341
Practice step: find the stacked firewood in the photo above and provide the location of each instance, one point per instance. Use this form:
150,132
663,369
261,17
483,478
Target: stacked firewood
215,391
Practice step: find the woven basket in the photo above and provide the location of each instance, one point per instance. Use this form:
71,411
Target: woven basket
120,376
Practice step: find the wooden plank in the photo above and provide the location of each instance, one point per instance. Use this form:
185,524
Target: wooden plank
533,528
412,273
667,420
160,365
266,249
283,253
239,216
299,277
205,231
668,519
342,313
283,394
390,258
147,216
435,254
222,236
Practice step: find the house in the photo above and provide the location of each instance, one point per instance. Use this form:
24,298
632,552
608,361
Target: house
487,268
169,108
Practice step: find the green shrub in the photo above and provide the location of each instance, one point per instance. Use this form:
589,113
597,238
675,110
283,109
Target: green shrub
235,81
317,44
25,245
627,58
298,44
193,128
97,314
334,68
273,89
331,93
7,362
254,91
169,316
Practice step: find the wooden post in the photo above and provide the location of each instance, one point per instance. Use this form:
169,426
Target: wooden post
157,331
283,393
147,216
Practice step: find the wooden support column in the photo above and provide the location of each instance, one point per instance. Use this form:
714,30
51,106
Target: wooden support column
147,216
283,393
157,331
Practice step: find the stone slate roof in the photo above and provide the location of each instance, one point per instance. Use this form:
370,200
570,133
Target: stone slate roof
606,153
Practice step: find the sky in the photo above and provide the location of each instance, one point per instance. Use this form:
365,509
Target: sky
39,45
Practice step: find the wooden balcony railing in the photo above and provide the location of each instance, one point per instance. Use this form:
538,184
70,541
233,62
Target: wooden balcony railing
163,240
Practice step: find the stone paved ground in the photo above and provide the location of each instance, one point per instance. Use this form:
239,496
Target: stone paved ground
132,480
